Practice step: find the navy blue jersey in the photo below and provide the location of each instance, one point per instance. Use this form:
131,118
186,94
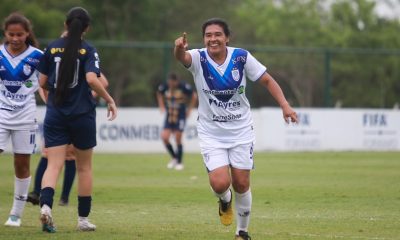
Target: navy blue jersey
80,99
176,100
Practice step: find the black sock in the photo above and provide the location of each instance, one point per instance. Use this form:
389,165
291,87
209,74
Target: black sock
69,175
170,150
46,197
179,153
41,168
84,205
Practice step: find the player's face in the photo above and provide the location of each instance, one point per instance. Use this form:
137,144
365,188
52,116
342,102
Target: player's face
215,39
172,83
16,36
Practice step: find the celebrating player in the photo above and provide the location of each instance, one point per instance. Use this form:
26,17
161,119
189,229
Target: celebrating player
69,70
177,96
225,125
19,58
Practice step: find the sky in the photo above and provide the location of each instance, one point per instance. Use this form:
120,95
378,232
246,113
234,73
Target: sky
388,8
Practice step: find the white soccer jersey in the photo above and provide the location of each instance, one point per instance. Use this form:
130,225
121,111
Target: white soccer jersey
18,83
224,111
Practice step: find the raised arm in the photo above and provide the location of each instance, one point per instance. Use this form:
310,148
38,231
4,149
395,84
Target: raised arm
180,53
269,82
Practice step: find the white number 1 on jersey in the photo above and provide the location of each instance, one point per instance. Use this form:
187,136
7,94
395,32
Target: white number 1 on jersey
57,60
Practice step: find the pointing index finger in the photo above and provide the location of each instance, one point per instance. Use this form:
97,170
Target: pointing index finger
184,36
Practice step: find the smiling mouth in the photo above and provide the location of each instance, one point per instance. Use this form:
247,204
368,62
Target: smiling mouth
213,45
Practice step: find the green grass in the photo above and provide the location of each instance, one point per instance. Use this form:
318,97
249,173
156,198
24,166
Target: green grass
348,195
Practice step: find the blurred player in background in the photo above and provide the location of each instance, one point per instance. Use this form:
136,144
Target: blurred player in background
225,125
176,99
19,58
69,70
69,169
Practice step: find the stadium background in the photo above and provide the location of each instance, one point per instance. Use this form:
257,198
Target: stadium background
329,57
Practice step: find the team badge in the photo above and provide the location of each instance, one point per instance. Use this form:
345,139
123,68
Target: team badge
235,74
27,69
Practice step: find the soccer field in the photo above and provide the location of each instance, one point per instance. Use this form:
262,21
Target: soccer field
348,195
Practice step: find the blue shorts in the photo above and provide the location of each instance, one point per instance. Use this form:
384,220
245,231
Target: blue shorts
178,125
80,130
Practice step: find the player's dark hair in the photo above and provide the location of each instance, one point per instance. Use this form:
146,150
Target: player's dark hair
18,18
77,21
172,76
217,21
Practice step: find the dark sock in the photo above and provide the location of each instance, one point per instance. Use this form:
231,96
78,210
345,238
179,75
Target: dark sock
46,197
170,150
84,205
179,153
69,175
41,168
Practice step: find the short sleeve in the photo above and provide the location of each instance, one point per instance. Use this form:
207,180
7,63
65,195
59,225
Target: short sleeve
254,69
44,66
195,60
187,89
92,63
162,88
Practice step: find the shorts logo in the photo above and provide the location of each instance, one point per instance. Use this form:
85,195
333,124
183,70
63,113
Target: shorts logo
235,74
27,69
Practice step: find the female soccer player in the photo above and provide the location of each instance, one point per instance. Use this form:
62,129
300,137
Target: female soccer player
69,70
19,58
70,166
225,125
177,96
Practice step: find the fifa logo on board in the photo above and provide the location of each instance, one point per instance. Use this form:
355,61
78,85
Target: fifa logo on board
304,119
374,120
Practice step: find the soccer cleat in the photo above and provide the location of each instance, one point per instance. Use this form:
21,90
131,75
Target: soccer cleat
63,202
85,225
33,198
225,212
172,163
13,221
47,220
243,236
179,167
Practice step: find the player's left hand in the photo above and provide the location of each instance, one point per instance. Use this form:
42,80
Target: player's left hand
289,114
111,111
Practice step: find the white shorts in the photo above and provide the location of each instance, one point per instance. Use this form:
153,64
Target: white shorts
239,157
23,141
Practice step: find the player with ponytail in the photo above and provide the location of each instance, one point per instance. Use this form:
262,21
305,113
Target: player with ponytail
69,70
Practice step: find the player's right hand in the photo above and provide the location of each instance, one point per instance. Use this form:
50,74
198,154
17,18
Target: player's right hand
111,111
181,42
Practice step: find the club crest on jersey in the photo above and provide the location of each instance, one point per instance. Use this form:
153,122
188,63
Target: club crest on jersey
235,74
27,69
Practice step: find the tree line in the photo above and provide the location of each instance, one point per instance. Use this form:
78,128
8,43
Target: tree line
323,53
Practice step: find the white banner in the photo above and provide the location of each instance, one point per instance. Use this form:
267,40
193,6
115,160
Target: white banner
137,130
